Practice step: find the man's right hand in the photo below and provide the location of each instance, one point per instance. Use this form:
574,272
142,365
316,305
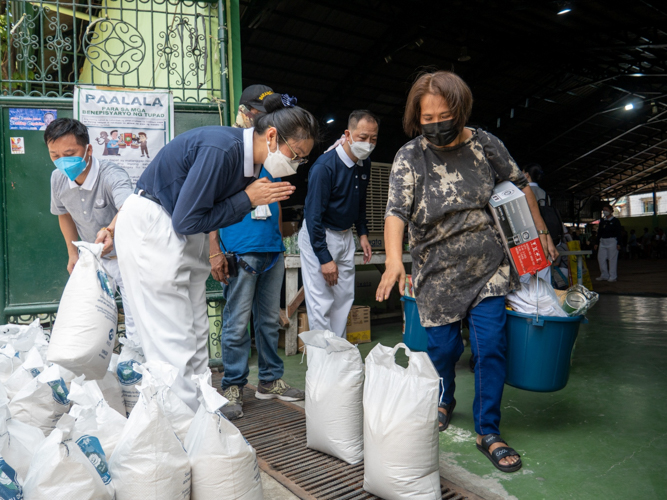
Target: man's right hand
73,259
330,273
219,269
265,192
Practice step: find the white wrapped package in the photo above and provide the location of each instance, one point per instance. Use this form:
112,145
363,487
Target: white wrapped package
9,362
94,417
334,396
19,441
10,484
61,470
111,389
131,356
42,401
149,462
163,375
401,426
84,333
224,465
535,297
31,368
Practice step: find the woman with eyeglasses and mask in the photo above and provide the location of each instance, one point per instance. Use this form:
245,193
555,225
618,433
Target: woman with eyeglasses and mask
203,180
440,185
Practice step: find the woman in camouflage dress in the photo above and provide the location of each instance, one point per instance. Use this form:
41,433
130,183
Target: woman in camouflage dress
440,185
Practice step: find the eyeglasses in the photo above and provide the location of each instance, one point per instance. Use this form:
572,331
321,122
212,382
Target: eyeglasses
296,157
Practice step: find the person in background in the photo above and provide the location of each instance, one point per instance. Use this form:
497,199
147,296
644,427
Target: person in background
251,105
258,245
624,243
608,245
646,244
634,244
440,186
336,199
86,195
202,180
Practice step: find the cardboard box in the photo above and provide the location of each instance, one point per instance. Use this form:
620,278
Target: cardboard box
358,326
514,221
376,240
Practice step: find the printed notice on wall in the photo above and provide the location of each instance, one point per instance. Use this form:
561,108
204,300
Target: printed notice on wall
126,127
18,145
31,118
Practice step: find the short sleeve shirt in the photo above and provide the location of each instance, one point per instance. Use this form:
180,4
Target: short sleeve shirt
95,203
443,195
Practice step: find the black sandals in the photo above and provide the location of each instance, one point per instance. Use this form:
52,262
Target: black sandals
499,453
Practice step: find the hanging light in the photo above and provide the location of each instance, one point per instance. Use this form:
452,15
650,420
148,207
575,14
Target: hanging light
564,8
629,106
330,120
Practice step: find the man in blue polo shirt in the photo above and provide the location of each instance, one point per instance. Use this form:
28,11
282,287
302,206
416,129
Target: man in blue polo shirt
337,184
257,242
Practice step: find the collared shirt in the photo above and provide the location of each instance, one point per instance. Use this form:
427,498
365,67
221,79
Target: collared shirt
95,203
336,198
540,194
255,235
610,228
443,194
200,178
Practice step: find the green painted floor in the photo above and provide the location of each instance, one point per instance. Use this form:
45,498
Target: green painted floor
602,437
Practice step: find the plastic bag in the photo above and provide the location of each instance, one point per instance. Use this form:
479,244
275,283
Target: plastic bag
84,333
9,362
149,462
111,389
30,369
401,426
535,297
334,396
162,375
62,470
42,401
18,441
131,356
94,416
21,337
224,465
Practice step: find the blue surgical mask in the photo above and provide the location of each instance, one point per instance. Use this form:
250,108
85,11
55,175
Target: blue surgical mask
71,166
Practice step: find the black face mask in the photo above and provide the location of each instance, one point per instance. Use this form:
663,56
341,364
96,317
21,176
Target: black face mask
440,133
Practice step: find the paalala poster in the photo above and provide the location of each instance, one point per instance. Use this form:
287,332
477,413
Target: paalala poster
125,126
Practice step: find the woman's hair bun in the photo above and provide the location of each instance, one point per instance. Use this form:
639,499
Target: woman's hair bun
273,102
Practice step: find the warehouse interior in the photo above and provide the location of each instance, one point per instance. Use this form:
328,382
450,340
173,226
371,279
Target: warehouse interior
579,87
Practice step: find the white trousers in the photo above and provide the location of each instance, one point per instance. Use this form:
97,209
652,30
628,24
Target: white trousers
328,306
165,279
113,270
607,251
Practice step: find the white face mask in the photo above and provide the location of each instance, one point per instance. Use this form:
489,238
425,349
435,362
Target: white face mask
279,165
361,150
607,213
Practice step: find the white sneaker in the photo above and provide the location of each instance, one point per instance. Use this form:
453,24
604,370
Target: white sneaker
600,278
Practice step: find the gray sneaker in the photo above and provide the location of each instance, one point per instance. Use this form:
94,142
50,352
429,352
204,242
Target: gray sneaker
233,409
280,390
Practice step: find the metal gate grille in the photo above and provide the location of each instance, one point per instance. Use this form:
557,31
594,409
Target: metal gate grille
277,430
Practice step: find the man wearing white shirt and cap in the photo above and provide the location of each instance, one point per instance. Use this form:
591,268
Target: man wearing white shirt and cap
337,184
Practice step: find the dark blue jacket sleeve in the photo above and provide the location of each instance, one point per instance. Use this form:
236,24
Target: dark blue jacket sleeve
196,210
317,200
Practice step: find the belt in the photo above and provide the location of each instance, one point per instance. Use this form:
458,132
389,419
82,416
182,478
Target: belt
150,197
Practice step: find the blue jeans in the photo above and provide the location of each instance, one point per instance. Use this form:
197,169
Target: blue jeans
259,294
489,344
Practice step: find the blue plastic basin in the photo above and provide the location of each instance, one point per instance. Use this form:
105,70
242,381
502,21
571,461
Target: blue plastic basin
415,336
539,350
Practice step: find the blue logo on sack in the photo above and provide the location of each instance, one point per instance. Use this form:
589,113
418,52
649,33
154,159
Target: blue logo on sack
111,334
92,448
34,372
10,489
59,391
104,283
126,373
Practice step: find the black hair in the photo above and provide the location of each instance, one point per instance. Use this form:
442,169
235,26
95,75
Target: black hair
535,171
361,114
66,126
113,132
609,207
291,121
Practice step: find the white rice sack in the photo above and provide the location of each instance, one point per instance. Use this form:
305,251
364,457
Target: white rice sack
84,333
224,465
63,469
94,416
42,401
334,396
10,484
21,337
149,462
19,441
31,368
9,362
163,375
130,356
111,389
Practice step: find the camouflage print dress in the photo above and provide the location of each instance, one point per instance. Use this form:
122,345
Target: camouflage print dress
442,194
